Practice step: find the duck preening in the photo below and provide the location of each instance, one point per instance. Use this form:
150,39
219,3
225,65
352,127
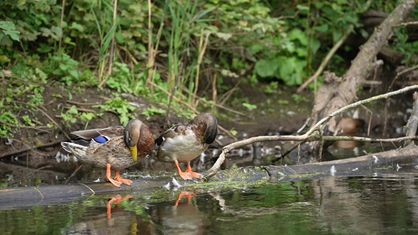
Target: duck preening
113,148
183,143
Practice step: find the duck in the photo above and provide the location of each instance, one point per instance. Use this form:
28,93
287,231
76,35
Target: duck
185,142
349,127
114,148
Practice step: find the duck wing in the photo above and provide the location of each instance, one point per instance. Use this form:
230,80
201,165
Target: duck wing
110,132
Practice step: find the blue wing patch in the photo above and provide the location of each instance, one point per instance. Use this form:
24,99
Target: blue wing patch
100,139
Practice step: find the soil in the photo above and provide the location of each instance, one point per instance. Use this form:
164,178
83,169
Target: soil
34,156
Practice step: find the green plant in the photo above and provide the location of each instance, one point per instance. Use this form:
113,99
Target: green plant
271,88
65,68
119,105
249,106
128,80
152,110
71,115
233,132
8,31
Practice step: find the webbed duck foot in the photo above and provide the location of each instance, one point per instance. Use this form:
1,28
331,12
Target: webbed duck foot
122,180
184,175
193,174
114,182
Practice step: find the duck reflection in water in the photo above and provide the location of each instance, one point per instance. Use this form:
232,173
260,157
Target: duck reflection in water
117,199
182,218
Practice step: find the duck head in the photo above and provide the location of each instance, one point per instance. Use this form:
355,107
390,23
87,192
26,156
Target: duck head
137,135
210,124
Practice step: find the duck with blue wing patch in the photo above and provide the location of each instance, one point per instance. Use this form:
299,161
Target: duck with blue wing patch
113,148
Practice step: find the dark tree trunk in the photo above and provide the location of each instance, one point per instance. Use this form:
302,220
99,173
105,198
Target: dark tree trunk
364,63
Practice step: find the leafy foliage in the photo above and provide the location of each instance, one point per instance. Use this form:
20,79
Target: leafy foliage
171,51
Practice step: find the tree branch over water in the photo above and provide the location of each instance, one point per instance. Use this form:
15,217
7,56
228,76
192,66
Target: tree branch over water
309,135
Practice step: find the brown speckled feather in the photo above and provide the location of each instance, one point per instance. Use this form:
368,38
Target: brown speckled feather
186,142
114,151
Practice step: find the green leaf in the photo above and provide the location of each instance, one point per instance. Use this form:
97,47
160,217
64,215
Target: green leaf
57,32
77,26
315,44
44,48
27,120
302,8
224,36
249,106
266,68
9,28
336,35
297,34
322,28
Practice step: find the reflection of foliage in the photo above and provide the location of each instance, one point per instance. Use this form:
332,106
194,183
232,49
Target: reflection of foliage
268,195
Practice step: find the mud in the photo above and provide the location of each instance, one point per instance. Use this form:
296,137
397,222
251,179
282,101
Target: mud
33,156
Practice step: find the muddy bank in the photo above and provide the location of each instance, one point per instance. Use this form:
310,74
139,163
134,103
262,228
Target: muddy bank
33,155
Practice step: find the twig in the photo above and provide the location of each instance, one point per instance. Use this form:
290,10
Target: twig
73,174
324,61
112,45
52,120
83,109
151,58
229,93
386,95
214,92
30,148
308,134
61,20
401,73
79,103
215,104
202,49
407,23
26,127
173,91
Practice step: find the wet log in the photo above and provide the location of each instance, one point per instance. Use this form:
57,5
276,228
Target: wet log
58,194
368,165
389,161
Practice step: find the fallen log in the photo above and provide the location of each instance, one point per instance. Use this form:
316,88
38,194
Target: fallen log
389,161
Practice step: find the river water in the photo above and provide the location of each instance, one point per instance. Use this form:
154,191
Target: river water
384,203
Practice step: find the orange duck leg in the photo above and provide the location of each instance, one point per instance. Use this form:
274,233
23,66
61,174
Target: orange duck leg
193,174
184,175
117,200
109,176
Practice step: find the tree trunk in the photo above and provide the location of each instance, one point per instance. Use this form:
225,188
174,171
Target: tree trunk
361,67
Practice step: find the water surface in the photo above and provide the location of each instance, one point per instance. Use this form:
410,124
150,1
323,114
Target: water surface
380,204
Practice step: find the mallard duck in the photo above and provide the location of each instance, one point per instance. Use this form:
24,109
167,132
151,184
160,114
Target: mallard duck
183,143
113,148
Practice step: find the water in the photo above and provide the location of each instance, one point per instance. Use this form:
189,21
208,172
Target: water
385,204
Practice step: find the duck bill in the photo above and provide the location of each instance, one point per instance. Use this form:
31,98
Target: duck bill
134,153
